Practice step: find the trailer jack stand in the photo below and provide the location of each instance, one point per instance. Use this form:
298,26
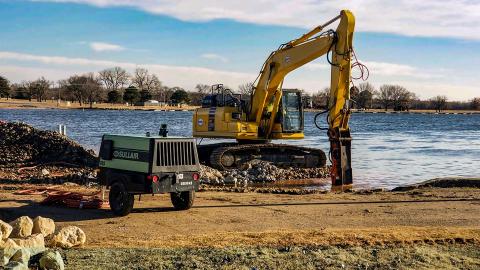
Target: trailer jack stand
340,153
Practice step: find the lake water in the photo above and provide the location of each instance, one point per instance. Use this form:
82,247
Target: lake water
388,150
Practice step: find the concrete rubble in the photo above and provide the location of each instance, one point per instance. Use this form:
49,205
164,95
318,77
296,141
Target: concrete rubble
258,172
19,250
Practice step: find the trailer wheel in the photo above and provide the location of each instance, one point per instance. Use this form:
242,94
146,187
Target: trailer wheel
182,200
121,202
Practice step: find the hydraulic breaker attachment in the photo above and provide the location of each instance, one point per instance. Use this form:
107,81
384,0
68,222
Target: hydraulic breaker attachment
340,153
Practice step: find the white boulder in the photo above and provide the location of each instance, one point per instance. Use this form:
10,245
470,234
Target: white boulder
34,244
7,250
22,227
16,266
5,230
51,260
68,237
22,256
45,226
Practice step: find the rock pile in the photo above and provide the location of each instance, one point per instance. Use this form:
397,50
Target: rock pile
40,156
23,145
26,242
259,172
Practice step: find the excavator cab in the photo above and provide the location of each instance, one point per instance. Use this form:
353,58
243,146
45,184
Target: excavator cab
290,115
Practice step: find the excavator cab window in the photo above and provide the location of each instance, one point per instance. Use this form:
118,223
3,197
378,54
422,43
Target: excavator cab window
292,111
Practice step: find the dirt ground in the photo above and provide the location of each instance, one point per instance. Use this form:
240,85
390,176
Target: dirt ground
411,229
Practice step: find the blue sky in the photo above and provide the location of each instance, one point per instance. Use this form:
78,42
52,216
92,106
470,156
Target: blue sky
190,42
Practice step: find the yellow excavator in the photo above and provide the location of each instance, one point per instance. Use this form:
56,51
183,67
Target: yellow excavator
275,113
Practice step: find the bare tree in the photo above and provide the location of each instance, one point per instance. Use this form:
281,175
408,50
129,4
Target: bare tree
475,103
155,88
5,89
385,96
114,78
203,88
83,88
246,88
364,99
366,86
148,84
36,89
152,83
401,97
141,78
197,96
41,86
439,103
321,99
92,88
364,96
73,87
28,85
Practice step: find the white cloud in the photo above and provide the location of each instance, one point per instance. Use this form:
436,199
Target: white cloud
213,56
384,69
103,47
316,66
315,76
395,70
431,18
183,76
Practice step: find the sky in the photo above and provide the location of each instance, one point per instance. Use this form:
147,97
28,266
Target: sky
431,47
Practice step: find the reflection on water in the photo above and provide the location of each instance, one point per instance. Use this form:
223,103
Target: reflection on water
388,149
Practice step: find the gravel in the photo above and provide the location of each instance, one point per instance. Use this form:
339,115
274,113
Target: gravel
259,172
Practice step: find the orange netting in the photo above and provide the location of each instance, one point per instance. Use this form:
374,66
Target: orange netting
67,198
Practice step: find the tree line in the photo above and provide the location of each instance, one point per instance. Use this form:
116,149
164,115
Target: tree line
394,97
115,85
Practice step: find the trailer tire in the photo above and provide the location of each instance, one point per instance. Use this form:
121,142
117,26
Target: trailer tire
121,202
182,200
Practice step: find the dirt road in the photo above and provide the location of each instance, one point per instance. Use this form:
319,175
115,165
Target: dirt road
224,219
425,228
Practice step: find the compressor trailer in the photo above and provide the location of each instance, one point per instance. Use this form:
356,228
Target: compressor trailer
132,165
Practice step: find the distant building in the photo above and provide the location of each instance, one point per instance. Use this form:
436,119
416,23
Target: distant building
151,103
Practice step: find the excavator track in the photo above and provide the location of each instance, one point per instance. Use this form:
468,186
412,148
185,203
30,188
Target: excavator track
225,156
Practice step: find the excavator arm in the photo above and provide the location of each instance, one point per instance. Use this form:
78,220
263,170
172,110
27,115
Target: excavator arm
296,53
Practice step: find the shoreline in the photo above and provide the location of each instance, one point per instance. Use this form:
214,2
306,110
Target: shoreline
22,104
16,104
